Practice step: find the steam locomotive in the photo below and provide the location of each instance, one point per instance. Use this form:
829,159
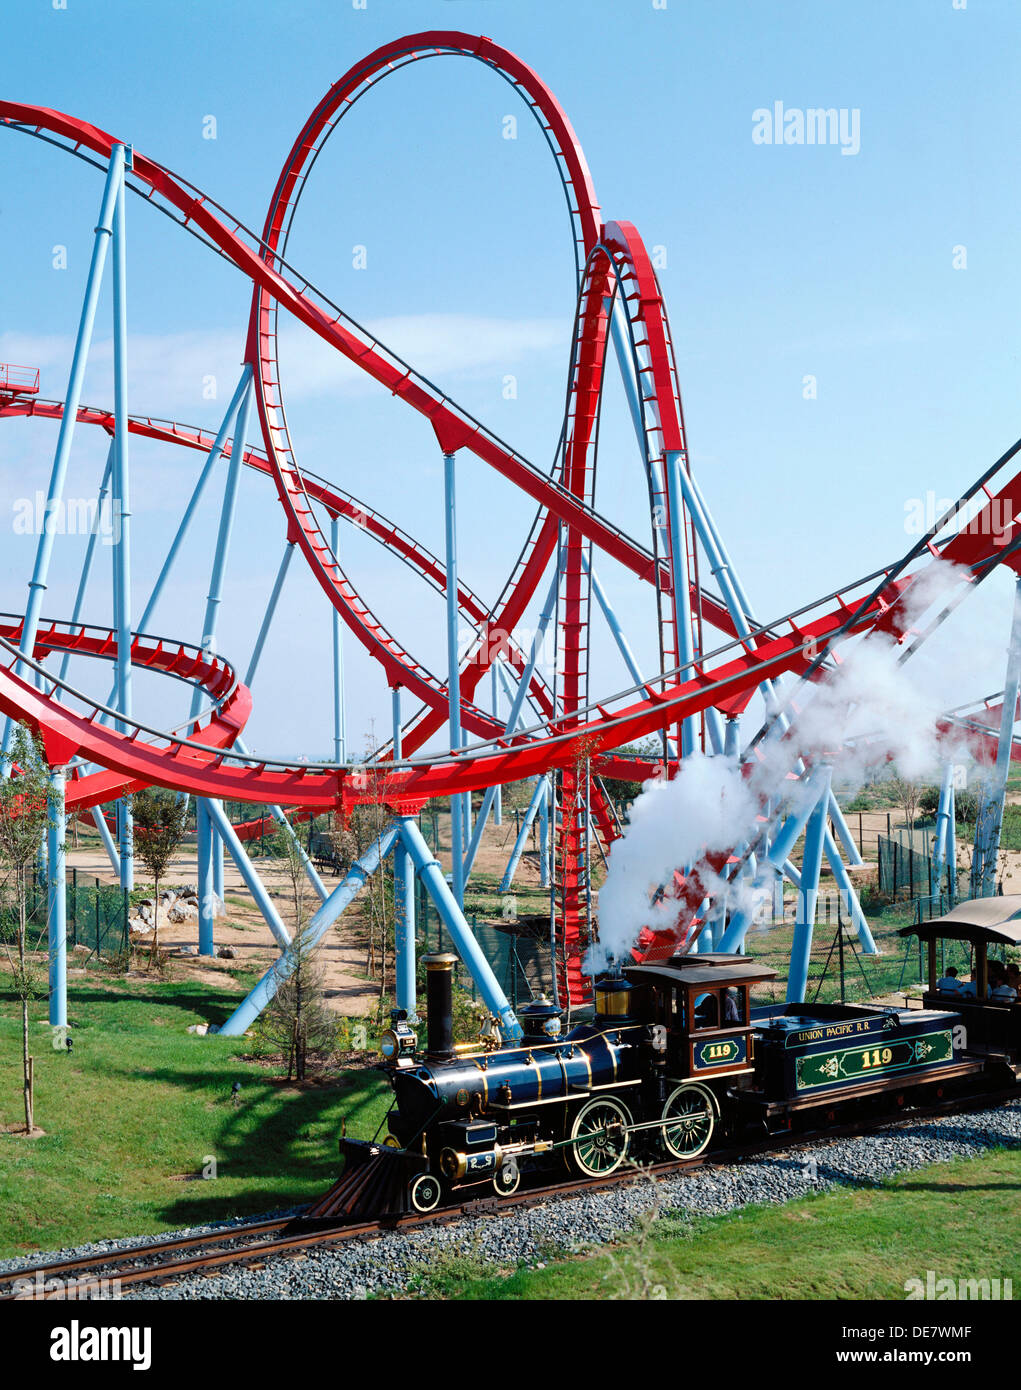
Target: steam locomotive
672,1062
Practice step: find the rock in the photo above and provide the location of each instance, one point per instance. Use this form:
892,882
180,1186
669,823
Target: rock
201,1029
189,951
227,953
181,912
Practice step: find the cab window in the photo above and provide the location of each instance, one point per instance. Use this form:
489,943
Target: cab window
734,1010
705,1010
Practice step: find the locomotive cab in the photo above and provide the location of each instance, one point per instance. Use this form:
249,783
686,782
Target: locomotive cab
699,1010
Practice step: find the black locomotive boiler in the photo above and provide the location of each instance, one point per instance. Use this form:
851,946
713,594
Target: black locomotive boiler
674,1061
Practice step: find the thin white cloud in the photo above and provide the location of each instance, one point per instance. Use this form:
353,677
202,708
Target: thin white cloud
439,346
187,376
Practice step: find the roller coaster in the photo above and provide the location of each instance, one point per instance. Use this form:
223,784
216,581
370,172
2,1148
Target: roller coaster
557,731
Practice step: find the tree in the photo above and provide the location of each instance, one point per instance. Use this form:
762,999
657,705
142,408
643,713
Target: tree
352,837
297,1020
25,796
159,817
907,794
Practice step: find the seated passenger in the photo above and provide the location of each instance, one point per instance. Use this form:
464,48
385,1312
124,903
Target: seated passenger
968,990
997,979
1014,978
731,1012
1003,992
949,984
706,1014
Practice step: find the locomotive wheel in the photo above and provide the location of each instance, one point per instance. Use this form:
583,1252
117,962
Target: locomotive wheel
507,1179
600,1136
425,1192
689,1118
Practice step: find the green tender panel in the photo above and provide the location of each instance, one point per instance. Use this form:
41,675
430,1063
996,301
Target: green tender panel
878,1059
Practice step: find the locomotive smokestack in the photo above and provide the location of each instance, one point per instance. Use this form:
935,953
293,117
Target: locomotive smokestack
439,1003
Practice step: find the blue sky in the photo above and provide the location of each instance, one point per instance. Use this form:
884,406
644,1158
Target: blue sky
781,262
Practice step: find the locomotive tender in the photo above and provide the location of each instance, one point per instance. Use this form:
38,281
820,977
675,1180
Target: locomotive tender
673,1061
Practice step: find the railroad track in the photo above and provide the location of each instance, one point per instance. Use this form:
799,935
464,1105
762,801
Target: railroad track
163,1261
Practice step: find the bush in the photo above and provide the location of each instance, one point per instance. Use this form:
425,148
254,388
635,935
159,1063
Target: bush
965,804
871,899
928,800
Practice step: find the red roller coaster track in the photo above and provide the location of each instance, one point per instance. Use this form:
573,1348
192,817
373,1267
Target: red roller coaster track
613,267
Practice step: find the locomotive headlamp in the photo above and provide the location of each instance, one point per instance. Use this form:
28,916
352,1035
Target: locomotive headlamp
399,1041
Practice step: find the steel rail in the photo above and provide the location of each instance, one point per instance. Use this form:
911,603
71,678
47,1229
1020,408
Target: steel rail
297,1241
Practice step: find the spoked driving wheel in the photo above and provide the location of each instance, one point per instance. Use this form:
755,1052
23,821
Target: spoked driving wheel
425,1192
600,1137
507,1178
689,1118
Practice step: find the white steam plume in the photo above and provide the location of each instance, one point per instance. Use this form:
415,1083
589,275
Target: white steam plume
712,807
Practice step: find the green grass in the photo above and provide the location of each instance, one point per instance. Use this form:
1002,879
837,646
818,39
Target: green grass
959,1220
132,1116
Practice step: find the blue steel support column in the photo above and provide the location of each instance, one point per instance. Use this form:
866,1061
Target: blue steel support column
72,400
952,849
223,535
944,823
732,736
204,836
498,798
989,822
849,894
544,838
271,608
241,392
56,900
250,1008
276,811
538,802
801,947
489,798
226,834
339,729
404,926
217,843
212,877
395,705
460,933
453,672
404,896
121,507
679,576
90,555
99,821
816,785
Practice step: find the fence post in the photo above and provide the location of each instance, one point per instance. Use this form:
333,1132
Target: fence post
74,907
124,932
95,902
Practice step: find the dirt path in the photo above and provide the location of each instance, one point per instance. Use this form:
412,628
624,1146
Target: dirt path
343,953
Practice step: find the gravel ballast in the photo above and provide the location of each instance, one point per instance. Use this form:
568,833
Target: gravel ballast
532,1236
